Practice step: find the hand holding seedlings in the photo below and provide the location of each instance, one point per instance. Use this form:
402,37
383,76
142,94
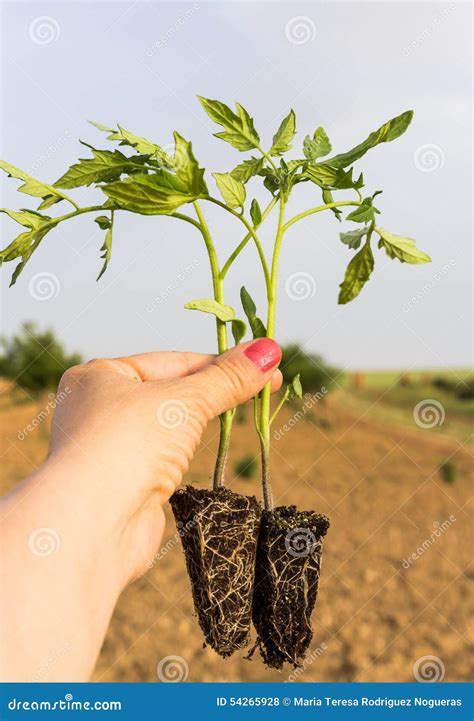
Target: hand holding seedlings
88,521
148,181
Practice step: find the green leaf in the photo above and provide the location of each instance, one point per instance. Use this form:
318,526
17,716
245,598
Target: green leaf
187,167
255,213
318,146
387,132
141,145
33,187
357,274
247,169
223,312
104,166
353,238
333,178
29,218
239,329
106,250
233,191
295,386
402,248
103,221
250,309
365,213
322,175
158,194
239,129
23,246
284,135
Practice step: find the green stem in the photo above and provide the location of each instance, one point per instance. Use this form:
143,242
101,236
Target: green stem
243,243
265,394
222,345
280,405
319,209
267,157
251,232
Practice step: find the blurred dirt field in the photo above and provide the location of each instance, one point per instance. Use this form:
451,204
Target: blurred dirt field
375,473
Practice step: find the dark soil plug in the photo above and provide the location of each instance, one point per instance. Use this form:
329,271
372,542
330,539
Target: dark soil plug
286,582
219,532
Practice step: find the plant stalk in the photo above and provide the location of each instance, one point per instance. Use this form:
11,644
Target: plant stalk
265,394
222,345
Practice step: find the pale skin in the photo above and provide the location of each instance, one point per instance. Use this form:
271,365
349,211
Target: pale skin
121,441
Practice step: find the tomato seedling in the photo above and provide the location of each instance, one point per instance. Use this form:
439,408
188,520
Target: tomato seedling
227,539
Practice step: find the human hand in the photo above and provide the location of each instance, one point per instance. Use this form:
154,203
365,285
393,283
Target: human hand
137,421
123,434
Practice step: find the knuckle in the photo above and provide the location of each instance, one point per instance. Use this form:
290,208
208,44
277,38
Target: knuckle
233,379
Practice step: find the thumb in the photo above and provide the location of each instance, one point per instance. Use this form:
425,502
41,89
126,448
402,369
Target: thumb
238,375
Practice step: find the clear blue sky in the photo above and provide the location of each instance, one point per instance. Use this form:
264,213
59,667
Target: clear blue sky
142,63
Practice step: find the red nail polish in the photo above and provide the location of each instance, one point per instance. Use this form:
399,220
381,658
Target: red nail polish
264,353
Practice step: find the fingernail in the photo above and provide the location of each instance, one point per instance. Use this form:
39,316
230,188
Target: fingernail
264,353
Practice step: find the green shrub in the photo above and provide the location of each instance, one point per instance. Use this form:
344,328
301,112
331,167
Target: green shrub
465,390
34,359
448,471
314,372
246,467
